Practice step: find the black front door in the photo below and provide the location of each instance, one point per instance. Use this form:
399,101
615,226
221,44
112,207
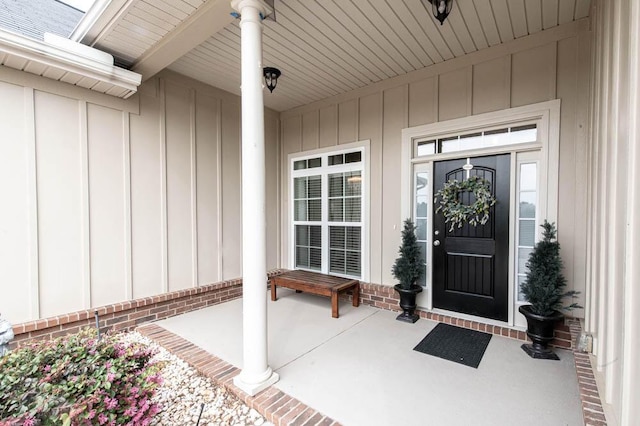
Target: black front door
471,264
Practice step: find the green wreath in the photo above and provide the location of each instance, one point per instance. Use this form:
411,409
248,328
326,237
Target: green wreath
456,213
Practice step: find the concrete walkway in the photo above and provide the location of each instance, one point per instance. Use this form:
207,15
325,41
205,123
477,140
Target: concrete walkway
360,369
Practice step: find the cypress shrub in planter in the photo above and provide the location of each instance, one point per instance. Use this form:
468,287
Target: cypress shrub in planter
408,269
544,289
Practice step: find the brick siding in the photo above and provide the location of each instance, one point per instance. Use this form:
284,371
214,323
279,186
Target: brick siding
128,315
385,297
592,410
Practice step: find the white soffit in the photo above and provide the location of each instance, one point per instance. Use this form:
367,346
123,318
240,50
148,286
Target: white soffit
322,47
129,28
328,47
63,60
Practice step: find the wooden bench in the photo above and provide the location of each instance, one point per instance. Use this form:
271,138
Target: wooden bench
316,283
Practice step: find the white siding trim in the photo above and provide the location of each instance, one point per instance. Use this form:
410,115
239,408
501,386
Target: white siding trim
85,215
631,346
194,189
219,186
164,225
32,182
128,242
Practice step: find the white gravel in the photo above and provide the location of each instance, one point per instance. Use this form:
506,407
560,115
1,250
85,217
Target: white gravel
184,390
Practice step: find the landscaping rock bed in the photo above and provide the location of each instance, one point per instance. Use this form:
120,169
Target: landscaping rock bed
183,391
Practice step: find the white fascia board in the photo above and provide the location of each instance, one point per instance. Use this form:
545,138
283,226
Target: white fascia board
100,15
69,61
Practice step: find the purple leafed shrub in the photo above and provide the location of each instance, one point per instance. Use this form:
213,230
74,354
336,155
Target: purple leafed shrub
78,380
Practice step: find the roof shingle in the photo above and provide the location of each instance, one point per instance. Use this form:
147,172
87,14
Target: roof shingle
32,18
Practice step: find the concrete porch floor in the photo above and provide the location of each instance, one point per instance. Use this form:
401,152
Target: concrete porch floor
361,369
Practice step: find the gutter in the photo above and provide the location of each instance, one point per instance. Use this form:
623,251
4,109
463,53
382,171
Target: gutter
93,68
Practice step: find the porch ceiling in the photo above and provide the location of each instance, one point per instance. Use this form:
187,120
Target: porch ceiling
322,47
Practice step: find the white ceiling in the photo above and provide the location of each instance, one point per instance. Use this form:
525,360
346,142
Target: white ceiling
327,47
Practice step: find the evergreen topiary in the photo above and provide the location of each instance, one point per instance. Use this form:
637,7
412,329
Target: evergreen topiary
544,285
409,267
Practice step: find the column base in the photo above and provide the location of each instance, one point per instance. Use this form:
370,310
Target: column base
255,388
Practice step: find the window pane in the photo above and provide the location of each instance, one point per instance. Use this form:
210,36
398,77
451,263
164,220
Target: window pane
336,185
421,229
302,257
528,177
315,186
337,237
302,235
315,236
527,233
353,157
353,238
315,258
315,162
336,210
521,280
354,183
528,205
353,263
352,209
300,164
300,188
523,258
426,148
336,159
315,210
421,210
337,261
300,210
423,255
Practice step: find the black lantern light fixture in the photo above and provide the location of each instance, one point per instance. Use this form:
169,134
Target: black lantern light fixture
271,77
440,8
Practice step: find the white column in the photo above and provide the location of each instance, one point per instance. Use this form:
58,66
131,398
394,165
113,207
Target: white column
256,374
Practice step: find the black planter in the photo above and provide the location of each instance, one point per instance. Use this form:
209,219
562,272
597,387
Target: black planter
540,331
408,303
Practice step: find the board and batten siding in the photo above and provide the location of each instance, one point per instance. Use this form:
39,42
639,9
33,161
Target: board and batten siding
550,65
105,200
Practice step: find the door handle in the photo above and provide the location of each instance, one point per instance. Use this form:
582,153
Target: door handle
436,243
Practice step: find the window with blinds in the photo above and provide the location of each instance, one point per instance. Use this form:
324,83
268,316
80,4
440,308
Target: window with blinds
328,213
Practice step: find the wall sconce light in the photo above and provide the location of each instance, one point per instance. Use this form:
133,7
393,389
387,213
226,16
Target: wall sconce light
271,77
440,8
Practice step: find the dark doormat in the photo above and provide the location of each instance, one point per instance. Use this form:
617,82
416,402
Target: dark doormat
455,344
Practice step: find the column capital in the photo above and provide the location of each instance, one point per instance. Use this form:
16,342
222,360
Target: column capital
262,6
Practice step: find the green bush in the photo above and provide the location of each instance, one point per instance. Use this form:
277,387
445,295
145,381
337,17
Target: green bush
409,266
544,286
78,380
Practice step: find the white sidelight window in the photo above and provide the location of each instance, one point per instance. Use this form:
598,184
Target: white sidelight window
526,219
328,205
421,206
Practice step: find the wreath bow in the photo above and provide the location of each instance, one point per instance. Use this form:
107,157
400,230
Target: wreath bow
455,212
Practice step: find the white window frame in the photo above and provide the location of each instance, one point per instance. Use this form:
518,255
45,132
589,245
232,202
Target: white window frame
325,170
545,151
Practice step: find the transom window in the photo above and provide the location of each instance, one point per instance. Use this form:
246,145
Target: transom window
475,140
327,212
